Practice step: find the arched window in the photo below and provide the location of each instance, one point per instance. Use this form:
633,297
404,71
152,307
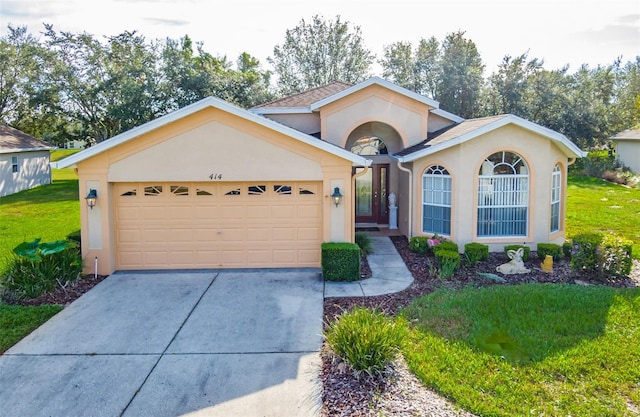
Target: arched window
436,200
503,195
556,189
369,145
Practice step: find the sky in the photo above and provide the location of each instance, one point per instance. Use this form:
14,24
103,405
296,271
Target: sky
560,32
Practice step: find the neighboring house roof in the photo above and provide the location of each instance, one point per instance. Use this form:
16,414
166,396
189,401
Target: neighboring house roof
629,134
472,128
13,140
200,105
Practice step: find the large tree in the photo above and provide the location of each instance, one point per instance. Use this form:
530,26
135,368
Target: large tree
319,52
461,76
28,101
507,88
417,70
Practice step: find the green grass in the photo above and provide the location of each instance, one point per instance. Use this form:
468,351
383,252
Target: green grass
534,349
18,321
50,212
595,205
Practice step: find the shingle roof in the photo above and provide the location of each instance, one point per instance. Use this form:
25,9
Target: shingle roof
306,98
13,140
632,134
451,132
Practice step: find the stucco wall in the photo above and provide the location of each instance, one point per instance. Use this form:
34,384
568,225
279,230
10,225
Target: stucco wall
191,149
375,104
463,163
33,170
308,123
628,152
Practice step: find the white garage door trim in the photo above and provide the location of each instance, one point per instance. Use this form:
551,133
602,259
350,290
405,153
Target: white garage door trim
218,225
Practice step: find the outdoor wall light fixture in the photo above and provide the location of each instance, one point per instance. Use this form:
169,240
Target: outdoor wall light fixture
91,198
336,196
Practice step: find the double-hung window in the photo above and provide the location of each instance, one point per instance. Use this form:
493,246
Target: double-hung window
503,196
14,164
436,201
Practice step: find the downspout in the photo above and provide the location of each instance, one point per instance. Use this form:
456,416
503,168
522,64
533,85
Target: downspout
400,167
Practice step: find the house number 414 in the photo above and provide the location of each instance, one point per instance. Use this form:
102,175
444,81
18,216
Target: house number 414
214,177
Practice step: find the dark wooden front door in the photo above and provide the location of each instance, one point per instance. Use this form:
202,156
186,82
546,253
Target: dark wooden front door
371,195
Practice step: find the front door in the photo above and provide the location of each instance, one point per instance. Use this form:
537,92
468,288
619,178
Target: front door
371,194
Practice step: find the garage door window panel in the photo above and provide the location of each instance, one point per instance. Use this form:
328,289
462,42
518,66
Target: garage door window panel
153,190
180,190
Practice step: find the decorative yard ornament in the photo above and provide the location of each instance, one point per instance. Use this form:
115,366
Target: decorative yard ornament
515,265
547,264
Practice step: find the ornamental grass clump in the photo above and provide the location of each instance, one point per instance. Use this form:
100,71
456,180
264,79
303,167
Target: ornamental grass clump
367,340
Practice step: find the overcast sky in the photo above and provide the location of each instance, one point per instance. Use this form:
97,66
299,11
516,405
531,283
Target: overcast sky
562,32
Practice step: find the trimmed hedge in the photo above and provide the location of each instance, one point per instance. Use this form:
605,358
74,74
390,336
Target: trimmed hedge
418,244
552,249
475,252
340,261
450,246
526,252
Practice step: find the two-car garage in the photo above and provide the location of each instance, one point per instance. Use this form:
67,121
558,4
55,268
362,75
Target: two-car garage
218,225
212,186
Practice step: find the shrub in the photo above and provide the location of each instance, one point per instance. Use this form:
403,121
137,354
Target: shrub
526,252
584,252
366,339
448,262
364,242
475,252
615,255
566,249
451,246
552,249
418,244
340,261
37,268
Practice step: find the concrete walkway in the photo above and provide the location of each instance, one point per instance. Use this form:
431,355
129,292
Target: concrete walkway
389,274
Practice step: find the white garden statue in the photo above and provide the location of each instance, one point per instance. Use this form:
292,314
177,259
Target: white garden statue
515,265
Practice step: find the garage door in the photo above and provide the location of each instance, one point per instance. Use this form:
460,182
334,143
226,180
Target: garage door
218,225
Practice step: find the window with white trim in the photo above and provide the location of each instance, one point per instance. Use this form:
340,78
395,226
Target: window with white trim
436,200
503,196
14,164
556,187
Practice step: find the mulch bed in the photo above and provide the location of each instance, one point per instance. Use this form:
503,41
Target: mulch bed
64,296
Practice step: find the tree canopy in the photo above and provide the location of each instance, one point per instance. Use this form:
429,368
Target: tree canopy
319,52
78,86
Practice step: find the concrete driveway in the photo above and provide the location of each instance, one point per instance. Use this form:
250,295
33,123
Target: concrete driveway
173,344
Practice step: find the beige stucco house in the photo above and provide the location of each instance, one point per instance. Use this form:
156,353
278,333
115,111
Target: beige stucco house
627,145
24,161
216,186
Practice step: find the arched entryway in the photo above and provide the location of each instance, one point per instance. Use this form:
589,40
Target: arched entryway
376,141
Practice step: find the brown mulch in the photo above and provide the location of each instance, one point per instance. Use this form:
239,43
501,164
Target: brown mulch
65,295
400,394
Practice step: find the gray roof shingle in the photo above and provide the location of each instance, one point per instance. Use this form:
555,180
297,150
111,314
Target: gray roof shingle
15,140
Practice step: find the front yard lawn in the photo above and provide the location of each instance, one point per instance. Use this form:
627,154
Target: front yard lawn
18,321
532,349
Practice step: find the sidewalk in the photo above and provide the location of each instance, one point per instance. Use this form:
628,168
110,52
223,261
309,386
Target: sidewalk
389,274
